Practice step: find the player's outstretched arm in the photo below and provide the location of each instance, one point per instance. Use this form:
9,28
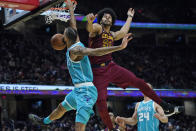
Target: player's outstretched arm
160,115
122,121
72,19
81,51
95,28
125,29
71,11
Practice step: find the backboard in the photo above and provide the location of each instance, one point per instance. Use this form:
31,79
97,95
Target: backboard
14,12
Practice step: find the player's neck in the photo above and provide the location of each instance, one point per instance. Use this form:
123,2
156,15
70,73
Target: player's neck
69,44
146,99
106,28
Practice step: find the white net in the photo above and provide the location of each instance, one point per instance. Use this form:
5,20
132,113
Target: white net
59,12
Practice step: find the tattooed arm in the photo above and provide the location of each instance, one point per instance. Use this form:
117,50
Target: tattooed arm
81,51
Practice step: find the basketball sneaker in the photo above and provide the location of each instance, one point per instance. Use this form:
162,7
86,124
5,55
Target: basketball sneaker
38,121
170,109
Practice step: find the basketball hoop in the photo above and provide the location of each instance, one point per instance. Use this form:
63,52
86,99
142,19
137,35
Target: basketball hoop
59,12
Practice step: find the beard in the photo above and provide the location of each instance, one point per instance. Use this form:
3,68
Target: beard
106,23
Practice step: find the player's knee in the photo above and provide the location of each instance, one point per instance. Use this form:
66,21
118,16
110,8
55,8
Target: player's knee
138,82
101,104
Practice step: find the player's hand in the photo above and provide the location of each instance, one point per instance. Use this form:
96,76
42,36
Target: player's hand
69,4
91,17
131,12
120,121
125,40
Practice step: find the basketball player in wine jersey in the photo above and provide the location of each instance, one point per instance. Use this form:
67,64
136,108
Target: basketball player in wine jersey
105,70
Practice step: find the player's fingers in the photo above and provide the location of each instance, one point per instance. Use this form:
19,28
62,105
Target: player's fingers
117,122
117,118
69,2
91,15
122,124
130,39
128,35
88,17
132,35
96,15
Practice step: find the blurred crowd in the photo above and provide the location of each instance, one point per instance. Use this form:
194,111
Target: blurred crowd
31,60
164,67
176,123
65,124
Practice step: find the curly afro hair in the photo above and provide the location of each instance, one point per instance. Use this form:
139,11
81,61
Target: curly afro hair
108,11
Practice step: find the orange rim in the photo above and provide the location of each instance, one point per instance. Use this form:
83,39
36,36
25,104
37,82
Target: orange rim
65,8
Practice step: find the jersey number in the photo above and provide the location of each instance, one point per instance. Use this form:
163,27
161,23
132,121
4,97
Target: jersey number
143,116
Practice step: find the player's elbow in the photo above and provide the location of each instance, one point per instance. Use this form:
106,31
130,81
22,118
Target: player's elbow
165,120
134,123
94,52
89,29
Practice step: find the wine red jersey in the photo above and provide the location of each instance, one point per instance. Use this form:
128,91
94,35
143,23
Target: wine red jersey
103,40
